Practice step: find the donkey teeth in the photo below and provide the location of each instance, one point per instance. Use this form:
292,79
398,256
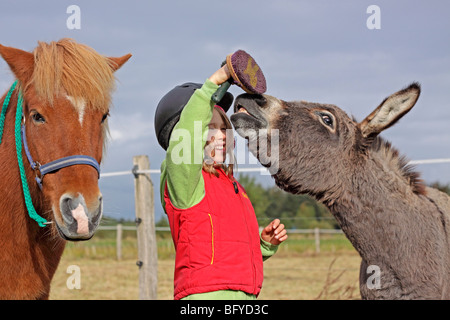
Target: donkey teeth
242,110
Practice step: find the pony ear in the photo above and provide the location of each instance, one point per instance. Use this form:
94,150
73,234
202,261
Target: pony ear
20,62
116,63
390,111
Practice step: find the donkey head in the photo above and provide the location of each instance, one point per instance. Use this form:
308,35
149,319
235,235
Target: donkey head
66,91
319,145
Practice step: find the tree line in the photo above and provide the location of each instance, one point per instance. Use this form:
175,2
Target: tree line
295,211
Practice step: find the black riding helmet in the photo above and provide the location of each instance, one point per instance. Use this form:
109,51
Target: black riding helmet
170,106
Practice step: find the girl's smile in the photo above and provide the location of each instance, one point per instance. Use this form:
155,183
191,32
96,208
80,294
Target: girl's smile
215,148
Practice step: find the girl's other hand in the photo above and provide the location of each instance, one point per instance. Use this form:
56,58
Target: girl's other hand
274,233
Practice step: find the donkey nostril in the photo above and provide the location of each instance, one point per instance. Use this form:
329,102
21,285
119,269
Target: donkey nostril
260,100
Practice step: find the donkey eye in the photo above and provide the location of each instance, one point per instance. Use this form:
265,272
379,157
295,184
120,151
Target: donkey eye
327,119
105,116
37,117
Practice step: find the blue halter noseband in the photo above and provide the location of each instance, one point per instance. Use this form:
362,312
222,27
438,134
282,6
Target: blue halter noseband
43,169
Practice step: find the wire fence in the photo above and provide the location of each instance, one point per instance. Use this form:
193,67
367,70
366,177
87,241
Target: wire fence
119,228
316,231
261,170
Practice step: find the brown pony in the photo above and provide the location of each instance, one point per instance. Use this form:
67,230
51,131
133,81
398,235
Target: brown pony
66,89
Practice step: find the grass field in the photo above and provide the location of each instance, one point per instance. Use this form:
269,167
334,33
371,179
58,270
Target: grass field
295,272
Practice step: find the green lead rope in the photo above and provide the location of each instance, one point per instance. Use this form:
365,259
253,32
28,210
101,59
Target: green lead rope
26,191
5,106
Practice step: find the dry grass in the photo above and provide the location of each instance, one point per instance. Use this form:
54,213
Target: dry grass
287,276
295,272
311,276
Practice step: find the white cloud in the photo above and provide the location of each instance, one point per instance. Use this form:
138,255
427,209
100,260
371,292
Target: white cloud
125,128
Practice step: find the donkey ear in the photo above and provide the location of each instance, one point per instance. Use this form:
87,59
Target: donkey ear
390,111
116,63
21,62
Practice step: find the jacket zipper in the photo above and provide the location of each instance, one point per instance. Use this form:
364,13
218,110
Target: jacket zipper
236,189
212,238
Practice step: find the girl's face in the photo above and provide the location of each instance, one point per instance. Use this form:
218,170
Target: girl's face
215,148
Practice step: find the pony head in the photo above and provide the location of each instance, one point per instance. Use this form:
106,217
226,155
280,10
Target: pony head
66,90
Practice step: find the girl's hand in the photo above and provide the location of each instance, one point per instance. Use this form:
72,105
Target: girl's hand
274,233
221,75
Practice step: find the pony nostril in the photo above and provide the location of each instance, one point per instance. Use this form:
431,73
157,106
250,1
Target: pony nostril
66,208
77,216
98,213
70,203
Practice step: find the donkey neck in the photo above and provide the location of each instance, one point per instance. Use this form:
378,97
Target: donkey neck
380,206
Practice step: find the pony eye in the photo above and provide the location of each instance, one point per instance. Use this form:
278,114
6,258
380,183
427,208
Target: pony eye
105,116
37,117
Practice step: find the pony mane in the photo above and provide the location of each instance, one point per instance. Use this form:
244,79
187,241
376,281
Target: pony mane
73,69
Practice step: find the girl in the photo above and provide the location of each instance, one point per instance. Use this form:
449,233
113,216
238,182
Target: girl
219,251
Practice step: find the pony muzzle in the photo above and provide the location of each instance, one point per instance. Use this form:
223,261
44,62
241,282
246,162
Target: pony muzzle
78,222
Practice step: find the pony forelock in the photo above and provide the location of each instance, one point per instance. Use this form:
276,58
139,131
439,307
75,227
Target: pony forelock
69,68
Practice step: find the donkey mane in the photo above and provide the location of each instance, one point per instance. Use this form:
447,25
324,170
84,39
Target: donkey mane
73,69
392,155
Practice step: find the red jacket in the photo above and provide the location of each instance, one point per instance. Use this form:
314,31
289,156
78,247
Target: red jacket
217,240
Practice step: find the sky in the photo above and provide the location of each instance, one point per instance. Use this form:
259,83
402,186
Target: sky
319,51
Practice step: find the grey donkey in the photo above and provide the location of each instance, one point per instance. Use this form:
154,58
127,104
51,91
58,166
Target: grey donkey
399,226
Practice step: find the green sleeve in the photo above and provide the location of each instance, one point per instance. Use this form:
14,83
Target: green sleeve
182,168
267,249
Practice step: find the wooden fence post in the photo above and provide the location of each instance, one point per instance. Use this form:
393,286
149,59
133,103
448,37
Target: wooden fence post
146,236
119,241
317,239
